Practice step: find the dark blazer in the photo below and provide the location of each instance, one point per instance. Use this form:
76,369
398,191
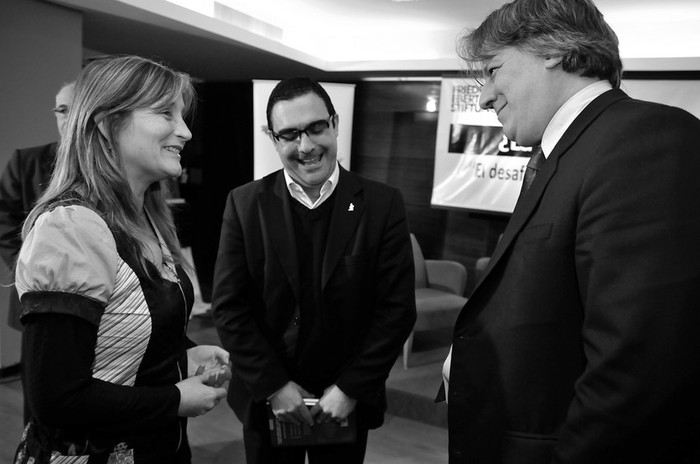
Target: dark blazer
24,179
368,292
580,343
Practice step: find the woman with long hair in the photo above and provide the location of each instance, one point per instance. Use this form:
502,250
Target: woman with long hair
110,375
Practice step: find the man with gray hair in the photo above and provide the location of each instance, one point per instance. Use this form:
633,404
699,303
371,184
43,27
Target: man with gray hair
579,344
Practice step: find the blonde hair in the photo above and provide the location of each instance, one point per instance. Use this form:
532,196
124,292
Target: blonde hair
88,170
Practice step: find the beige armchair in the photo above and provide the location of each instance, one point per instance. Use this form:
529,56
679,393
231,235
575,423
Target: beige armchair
440,288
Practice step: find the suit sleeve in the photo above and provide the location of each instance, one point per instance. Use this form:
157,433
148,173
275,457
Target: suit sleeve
637,252
254,359
12,212
394,309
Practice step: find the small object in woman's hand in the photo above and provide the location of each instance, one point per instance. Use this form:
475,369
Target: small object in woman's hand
216,376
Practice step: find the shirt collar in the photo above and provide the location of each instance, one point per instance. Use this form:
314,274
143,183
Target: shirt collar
300,195
568,112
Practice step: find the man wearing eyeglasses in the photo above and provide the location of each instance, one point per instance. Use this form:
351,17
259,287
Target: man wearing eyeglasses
26,175
314,286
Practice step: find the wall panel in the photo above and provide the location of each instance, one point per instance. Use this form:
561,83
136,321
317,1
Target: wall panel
394,142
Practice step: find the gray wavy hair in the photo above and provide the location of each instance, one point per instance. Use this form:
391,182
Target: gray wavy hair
573,30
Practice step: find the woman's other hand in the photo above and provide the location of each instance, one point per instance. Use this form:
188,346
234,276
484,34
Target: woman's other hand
206,356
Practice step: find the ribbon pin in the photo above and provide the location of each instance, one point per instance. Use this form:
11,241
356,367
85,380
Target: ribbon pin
351,207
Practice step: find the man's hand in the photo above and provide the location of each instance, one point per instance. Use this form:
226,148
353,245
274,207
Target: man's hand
334,405
288,405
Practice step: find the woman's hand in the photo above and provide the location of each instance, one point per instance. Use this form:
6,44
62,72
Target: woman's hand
210,361
207,356
196,397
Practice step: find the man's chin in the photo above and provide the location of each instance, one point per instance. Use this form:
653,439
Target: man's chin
316,169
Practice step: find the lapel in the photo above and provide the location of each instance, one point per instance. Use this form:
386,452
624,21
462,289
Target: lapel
349,207
527,202
277,222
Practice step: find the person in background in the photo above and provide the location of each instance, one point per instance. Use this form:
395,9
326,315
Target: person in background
109,374
314,287
25,177
579,344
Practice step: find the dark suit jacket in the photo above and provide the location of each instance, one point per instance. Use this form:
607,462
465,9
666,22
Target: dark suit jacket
368,291
580,343
24,179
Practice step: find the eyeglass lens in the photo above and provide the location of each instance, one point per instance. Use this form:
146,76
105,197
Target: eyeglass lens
315,128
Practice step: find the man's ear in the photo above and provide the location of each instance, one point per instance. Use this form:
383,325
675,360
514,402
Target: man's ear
335,120
269,134
551,63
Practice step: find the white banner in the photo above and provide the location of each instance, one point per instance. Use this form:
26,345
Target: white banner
476,166
683,94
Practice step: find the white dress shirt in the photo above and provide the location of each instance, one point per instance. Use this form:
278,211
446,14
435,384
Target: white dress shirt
298,193
563,118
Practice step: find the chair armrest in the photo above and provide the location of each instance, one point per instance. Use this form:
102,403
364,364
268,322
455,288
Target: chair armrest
480,266
446,275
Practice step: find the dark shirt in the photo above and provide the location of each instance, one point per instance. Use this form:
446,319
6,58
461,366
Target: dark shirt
311,231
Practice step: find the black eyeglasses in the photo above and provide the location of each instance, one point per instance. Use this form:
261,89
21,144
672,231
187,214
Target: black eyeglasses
316,128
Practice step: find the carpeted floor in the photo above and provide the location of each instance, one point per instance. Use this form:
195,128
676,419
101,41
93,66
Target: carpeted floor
411,392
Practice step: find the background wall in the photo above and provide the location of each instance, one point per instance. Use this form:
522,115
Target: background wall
40,50
217,159
394,142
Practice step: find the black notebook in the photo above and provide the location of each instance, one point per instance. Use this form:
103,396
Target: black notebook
288,434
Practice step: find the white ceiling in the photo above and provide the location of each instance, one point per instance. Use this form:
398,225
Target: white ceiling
220,39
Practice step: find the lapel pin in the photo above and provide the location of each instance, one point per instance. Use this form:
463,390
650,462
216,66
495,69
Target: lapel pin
351,207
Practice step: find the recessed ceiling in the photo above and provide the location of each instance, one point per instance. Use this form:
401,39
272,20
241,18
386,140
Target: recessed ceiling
229,39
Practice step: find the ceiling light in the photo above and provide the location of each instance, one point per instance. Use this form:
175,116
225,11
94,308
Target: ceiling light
431,105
